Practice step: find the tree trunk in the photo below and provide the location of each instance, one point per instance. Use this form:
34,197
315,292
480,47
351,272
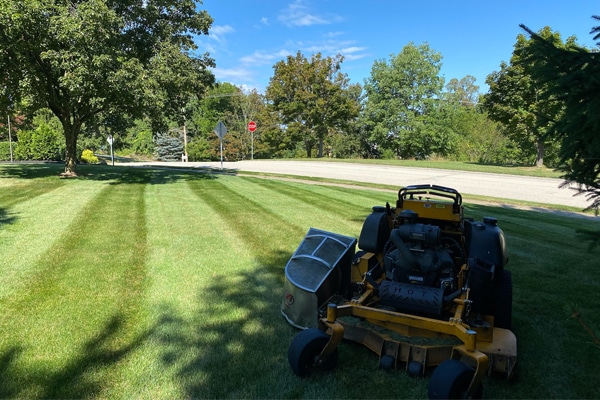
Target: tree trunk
539,160
71,130
308,146
320,154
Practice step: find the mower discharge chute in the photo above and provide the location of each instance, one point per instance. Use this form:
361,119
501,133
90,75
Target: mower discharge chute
427,288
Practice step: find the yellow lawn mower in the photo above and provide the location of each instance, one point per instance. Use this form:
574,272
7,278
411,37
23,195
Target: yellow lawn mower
426,288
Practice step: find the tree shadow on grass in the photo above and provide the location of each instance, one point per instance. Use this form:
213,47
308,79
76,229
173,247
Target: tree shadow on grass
30,170
80,378
118,175
8,390
237,338
6,218
143,175
590,236
76,380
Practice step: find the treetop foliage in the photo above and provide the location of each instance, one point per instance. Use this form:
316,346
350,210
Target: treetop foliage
403,101
312,95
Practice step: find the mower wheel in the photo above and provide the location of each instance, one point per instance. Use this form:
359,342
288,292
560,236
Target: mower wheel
415,369
451,380
387,362
304,352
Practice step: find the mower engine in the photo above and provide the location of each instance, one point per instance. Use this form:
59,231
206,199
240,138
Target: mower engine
421,272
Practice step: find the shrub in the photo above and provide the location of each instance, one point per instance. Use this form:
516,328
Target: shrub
5,150
198,150
87,156
42,143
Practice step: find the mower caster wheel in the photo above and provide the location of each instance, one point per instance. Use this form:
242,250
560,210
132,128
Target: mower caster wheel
451,380
387,362
415,369
303,353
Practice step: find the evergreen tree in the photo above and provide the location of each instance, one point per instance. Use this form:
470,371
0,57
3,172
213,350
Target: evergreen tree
168,146
573,77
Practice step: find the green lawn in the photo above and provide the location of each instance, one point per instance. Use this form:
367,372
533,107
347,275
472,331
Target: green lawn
160,284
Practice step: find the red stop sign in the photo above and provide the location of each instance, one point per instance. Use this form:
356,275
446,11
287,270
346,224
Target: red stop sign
251,126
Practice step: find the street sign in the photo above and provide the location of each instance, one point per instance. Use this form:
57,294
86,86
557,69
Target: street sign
110,140
220,130
251,126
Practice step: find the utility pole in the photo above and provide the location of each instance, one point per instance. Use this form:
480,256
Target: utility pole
10,139
185,154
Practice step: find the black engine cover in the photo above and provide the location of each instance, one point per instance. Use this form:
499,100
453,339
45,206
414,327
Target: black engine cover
411,298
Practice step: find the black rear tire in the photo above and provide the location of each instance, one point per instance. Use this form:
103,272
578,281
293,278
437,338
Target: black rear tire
306,348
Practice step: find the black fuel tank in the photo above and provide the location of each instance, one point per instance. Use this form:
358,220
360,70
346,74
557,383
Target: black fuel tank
485,240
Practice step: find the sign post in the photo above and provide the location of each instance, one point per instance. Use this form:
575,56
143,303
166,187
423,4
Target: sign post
252,128
220,131
110,140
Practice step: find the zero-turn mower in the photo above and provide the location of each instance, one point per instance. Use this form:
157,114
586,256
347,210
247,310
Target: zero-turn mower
426,288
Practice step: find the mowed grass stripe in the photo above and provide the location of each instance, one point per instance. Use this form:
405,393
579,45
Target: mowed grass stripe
192,248
82,313
34,223
338,209
252,228
236,316
211,294
186,240
15,191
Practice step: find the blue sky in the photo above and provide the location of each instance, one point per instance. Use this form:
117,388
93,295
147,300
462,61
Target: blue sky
249,36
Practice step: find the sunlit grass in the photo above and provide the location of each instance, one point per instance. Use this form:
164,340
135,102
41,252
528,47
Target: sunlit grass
156,284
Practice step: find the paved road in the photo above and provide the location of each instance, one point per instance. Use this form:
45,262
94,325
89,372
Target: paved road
539,190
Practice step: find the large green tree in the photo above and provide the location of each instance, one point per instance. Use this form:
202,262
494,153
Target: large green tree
311,96
81,58
515,98
402,106
572,76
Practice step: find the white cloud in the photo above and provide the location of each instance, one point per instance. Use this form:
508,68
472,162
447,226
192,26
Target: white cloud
217,32
354,53
236,74
334,34
354,57
264,21
262,58
330,47
241,77
298,14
